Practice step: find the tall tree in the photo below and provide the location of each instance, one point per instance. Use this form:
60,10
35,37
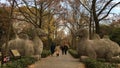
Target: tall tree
99,10
75,18
34,10
9,27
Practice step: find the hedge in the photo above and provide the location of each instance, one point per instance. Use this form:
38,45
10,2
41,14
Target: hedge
73,53
91,63
45,53
20,63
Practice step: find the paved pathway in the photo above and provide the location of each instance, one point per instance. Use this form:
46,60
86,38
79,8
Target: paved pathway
62,61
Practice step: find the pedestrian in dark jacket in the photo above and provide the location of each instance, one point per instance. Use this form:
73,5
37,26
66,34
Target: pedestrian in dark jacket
65,49
52,48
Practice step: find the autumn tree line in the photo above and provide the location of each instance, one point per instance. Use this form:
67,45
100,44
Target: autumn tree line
52,15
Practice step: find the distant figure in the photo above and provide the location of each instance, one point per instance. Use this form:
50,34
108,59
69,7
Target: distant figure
65,48
57,50
52,48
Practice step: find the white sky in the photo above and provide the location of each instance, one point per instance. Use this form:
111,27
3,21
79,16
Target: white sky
115,10
3,1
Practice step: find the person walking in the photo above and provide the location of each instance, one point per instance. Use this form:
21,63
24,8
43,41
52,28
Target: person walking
52,48
62,49
66,49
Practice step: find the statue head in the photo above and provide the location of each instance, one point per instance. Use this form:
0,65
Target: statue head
31,33
27,29
40,32
82,33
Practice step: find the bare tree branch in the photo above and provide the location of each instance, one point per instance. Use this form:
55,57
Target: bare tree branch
109,11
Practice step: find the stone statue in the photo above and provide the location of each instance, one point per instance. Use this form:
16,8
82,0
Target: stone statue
96,48
26,45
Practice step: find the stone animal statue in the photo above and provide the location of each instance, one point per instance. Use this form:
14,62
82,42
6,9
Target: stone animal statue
26,46
96,48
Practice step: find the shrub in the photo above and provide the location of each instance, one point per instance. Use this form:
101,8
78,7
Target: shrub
74,53
115,35
101,59
91,63
115,60
45,53
20,63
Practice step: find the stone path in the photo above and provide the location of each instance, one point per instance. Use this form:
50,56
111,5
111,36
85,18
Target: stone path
62,61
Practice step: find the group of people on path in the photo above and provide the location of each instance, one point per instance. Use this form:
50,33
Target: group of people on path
64,49
55,49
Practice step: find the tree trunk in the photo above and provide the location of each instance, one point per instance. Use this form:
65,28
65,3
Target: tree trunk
73,42
90,31
40,23
40,12
97,27
95,17
5,51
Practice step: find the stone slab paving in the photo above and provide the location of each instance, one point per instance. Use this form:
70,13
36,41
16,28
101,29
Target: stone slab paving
62,61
